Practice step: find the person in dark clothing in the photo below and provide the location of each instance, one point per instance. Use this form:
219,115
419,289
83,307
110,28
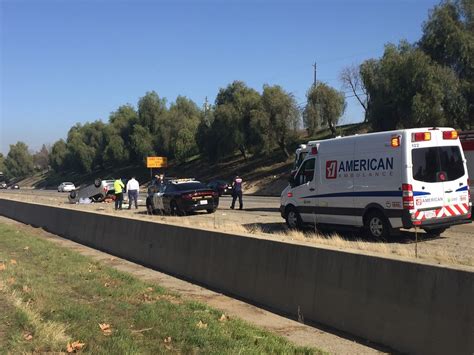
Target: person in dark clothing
237,192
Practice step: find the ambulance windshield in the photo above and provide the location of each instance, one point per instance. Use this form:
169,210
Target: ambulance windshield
429,162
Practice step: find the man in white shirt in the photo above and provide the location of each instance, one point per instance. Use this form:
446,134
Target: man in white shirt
132,188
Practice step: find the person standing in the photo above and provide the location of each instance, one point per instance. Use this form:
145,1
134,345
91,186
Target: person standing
118,187
237,191
132,189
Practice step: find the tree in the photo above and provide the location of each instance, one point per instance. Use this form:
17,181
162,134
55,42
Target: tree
41,158
448,38
2,165
19,162
57,158
142,143
407,89
237,107
282,115
115,152
325,105
351,80
150,109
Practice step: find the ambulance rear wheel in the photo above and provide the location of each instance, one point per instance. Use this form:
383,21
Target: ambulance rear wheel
376,225
293,219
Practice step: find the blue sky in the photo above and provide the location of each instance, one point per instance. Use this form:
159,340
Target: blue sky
64,62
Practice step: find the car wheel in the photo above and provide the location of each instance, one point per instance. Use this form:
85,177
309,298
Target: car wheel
211,210
293,218
175,210
73,195
377,225
433,233
97,182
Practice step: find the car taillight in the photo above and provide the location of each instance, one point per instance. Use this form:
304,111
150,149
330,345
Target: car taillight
187,197
407,196
289,194
421,136
450,135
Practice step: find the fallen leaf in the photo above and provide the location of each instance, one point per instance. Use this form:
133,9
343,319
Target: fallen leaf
26,288
223,318
13,261
27,336
201,325
106,284
149,289
2,266
105,328
26,248
75,345
11,280
167,340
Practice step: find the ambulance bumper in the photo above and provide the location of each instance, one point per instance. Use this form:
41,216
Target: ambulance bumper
435,223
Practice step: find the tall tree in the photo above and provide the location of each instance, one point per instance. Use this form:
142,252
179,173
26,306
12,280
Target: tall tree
142,143
41,158
150,109
57,158
19,162
325,105
282,114
448,38
407,89
351,80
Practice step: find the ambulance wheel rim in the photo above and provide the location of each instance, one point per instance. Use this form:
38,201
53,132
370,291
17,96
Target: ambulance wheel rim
376,226
292,219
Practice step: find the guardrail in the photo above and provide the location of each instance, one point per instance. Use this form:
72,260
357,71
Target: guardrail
410,307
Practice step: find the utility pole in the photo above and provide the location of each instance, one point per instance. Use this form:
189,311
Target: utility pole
315,69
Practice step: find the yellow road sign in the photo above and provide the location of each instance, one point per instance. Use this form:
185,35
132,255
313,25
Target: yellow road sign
156,162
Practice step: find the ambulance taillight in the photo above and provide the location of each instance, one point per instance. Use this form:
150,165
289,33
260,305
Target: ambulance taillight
421,136
407,196
450,135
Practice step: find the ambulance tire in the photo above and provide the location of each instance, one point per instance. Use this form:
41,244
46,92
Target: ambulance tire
377,225
97,182
293,218
433,233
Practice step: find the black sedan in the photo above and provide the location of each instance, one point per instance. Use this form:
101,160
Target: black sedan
178,197
220,186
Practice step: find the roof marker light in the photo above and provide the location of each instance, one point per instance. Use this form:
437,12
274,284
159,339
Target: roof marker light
421,136
395,141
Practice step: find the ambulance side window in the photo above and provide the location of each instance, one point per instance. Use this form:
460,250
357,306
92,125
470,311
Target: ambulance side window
306,173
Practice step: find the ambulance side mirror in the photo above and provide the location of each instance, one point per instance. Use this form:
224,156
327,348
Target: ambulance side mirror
291,179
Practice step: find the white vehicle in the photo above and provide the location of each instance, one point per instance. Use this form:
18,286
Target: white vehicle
95,192
66,187
382,182
467,142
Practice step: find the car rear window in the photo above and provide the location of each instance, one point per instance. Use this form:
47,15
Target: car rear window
190,186
429,162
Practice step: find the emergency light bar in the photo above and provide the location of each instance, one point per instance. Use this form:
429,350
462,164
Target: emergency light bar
450,135
421,136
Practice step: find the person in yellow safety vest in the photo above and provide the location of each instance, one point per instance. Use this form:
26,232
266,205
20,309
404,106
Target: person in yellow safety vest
118,187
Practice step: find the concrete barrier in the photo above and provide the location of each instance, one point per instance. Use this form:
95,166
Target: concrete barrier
410,307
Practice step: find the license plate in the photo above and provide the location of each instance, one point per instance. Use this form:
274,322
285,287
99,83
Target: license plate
203,202
430,214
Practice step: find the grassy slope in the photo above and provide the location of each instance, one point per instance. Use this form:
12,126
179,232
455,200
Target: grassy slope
51,296
263,174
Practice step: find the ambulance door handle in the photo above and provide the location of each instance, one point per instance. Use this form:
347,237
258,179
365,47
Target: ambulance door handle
448,191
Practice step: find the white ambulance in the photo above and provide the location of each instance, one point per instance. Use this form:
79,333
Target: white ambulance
382,182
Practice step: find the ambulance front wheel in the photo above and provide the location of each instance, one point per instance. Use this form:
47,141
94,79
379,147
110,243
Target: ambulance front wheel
293,218
377,225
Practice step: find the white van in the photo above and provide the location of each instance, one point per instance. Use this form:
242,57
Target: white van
382,182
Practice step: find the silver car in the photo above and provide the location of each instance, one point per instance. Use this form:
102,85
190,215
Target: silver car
96,192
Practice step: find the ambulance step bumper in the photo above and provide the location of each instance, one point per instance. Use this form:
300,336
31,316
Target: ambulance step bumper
435,223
